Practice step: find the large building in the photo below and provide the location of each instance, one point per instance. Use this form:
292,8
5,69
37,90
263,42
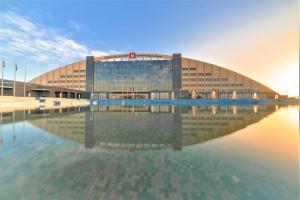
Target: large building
153,76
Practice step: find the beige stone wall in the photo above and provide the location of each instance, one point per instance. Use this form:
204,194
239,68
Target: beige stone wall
205,77
71,76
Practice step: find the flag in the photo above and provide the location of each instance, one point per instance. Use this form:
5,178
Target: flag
3,63
16,67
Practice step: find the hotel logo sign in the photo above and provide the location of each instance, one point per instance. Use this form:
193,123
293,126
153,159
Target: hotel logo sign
132,55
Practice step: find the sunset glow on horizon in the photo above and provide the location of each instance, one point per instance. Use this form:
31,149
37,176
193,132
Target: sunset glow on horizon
266,50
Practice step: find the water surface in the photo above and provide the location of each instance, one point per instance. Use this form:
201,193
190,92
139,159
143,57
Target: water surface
151,152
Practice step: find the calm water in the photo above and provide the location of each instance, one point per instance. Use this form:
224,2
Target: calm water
157,152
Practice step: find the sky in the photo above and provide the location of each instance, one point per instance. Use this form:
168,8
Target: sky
257,38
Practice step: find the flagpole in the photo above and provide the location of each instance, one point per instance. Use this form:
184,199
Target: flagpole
15,79
25,83
3,65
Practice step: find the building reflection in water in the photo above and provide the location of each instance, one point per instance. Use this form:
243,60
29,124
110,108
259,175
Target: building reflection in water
140,128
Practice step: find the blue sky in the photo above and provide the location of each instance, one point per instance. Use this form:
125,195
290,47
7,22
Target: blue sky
47,34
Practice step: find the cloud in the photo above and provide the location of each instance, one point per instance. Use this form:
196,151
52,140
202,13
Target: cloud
21,36
99,53
75,25
104,53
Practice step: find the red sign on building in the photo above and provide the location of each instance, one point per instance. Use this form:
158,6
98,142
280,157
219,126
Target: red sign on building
132,56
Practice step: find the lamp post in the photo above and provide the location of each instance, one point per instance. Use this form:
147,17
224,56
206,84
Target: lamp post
234,94
16,68
3,66
193,94
213,95
255,95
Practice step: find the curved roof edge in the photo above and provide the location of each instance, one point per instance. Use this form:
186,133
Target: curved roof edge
140,55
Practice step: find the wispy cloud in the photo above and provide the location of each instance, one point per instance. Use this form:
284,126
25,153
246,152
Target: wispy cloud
75,25
22,36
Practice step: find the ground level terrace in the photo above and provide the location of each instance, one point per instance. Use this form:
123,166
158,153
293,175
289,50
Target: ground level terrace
37,90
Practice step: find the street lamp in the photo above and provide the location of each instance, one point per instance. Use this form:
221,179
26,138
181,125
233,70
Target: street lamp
213,94
193,94
255,95
234,94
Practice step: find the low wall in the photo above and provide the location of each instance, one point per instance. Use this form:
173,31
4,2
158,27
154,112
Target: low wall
190,102
180,102
18,103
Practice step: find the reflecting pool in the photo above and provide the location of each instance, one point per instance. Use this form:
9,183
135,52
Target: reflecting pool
150,152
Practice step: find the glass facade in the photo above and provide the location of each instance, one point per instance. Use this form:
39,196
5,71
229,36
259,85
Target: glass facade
137,76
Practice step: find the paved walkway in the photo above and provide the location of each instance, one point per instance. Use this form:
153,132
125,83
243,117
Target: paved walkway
22,103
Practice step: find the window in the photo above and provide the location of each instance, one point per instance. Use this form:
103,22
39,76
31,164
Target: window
77,70
144,75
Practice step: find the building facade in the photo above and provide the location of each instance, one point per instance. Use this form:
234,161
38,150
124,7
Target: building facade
37,90
154,76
